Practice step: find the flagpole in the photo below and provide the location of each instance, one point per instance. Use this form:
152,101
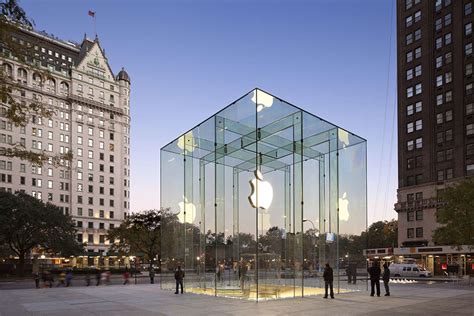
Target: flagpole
95,26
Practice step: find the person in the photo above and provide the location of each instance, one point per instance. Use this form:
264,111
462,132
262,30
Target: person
97,277
88,279
152,275
61,278
386,278
328,280
353,269
374,272
218,273
179,276
36,276
68,278
242,274
126,277
348,273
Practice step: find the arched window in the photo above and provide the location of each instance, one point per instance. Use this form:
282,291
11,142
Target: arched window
37,79
50,84
21,74
8,70
64,87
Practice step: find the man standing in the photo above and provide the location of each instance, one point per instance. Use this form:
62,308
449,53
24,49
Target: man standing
179,276
374,272
152,275
386,278
328,280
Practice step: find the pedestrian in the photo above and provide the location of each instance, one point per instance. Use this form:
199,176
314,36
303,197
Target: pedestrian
36,277
126,277
353,269
87,277
50,279
61,279
152,275
97,277
68,278
328,280
218,273
242,274
374,272
179,276
348,273
386,278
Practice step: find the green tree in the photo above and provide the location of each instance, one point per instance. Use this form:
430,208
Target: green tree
26,223
382,234
21,111
456,216
139,233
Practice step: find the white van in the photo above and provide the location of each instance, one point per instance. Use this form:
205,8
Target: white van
408,270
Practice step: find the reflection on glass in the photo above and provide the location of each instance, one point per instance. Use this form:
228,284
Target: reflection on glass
262,195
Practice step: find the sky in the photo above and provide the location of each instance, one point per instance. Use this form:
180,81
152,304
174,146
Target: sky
187,59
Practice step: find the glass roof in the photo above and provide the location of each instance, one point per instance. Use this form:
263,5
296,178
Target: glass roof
261,126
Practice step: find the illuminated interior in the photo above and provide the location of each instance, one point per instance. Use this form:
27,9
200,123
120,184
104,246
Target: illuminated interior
259,195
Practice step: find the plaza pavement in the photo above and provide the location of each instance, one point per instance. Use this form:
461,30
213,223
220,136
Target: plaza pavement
406,299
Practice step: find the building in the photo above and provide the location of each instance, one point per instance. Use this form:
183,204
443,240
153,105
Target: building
91,118
435,114
240,183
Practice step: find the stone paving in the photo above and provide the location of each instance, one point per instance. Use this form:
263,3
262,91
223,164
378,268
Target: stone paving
148,299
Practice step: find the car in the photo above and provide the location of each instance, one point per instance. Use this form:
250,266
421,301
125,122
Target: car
408,270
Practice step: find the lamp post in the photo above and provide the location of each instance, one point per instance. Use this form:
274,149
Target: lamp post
314,252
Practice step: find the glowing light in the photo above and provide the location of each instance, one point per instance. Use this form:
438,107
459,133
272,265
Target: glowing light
187,212
264,197
344,208
264,100
186,142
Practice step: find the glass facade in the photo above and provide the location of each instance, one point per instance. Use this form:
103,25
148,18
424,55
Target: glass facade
260,196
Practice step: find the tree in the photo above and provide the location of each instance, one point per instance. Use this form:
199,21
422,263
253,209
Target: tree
26,223
21,111
457,216
382,234
139,233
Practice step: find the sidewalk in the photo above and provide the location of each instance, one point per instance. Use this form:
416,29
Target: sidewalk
150,300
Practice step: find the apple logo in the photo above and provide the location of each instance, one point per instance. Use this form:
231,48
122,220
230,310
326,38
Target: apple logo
186,142
264,100
263,198
344,208
187,212
344,138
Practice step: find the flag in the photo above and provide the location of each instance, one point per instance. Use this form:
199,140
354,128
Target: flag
91,13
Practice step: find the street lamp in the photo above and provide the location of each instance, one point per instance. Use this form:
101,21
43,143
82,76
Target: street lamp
314,250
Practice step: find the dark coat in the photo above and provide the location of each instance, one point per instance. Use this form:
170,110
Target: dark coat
179,275
374,273
386,274
328,275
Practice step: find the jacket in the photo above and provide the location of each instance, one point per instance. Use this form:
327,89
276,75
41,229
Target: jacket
386,274
179,275
374,273
328,276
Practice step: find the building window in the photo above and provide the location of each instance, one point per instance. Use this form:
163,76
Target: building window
409,74
418,89
468,8
449,174
419,232
470,149
419,215
469,89
417,52
419,125
438,24
409,21
419,161
468,70
447,39
410,109
410,233
439,42
418,106
418,178
440,176
439,61
410,127
447,19
449,135
469,108
448,77
409,56
410,163
449,154
468,49
410,216
449,116
469,129
470,169
409,39
439,80
448,58
448,96
419,143
410,145
468,29
440,156
439,99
